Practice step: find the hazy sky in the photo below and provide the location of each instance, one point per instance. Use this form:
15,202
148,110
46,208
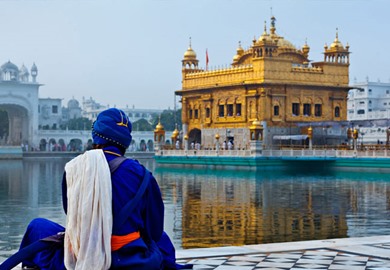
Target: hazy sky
129,52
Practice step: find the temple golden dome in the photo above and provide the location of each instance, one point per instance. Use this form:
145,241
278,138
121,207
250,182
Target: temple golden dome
189,54
240,52
282,43
265,37
305,47
273,37
336,43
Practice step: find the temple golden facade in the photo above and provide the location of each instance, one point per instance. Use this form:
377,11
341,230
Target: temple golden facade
271,82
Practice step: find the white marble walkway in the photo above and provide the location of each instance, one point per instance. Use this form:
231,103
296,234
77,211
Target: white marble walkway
344,254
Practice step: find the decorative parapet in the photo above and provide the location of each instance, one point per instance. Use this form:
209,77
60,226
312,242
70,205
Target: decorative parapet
218,77
307,69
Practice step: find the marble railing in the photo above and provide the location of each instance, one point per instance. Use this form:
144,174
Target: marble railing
327,153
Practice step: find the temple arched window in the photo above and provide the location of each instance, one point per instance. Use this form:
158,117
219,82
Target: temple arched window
318,110
221,110
238,109
207,112
306,109
337,111
276,110
295,109
230,110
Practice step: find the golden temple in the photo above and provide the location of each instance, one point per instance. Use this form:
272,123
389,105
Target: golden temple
272,82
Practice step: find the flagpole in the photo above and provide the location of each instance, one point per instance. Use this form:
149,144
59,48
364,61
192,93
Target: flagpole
207,60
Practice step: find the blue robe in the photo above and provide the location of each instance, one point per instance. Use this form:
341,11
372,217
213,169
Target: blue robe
148,218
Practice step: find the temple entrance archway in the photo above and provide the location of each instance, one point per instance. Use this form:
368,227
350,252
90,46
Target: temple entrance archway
4,127
17,118
195,136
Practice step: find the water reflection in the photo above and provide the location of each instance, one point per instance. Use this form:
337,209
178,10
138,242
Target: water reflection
27,190
207,208
219,208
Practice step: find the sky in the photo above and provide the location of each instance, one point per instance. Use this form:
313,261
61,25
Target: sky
128,52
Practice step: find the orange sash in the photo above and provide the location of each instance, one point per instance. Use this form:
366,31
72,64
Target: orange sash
118,241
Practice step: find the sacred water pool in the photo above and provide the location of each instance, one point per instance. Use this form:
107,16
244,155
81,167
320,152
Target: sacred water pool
206,208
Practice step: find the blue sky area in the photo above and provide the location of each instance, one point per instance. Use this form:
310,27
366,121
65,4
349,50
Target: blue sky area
129,52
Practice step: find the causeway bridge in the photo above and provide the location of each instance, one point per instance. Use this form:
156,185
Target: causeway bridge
78,140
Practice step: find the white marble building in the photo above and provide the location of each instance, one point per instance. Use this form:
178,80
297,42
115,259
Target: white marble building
369,101
50,113
37,123
91,108
369,111
19,98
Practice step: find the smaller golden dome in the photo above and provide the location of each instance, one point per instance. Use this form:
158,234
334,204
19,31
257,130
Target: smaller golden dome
189,54
336,43
305,47
217,136
186,137
310,132
159,127
256,124
175,133
265,36
355,133
240,52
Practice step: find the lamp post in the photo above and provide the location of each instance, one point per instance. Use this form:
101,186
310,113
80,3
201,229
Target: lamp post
355,137
310,135
349,137
186,143
217,143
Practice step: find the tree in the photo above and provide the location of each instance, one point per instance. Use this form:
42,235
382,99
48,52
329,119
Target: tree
80,123
169,119
142,125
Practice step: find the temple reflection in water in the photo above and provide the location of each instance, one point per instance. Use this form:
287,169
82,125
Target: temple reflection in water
239,208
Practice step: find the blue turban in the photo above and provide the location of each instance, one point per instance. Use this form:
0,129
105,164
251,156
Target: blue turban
112,126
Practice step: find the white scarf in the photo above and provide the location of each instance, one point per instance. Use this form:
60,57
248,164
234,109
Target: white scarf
89,215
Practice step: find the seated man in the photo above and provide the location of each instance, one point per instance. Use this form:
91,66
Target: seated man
114,219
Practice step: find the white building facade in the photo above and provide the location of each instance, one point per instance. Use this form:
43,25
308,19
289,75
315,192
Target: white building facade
369,111
41,123
19,98
50,113
91,109
369,101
